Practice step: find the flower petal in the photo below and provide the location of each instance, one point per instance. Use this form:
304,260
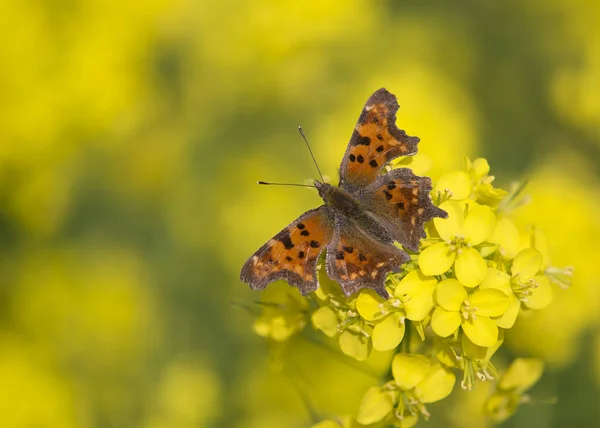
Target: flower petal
497,279
450,294
506,235
457,182
541,296
375,406
436,386
410,369
522,374
355,345
444,323
479,224
481,353
470,268
369,305
388,334
489,302
326,320
436,259
452,226
479,168
481,331
415,291
507,320
412,282
527,263
488,194
537,240
421,303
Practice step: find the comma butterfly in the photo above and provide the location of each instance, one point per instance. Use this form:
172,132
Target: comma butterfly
360,219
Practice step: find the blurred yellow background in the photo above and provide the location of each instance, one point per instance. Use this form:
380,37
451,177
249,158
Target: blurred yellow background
131,138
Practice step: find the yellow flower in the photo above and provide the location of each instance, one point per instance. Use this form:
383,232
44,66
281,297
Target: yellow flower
483,190
506,236
338,316
417,381
474,183
415,293
420,381
529,286
376,405
473,360
455,308
468,224
456,185
522,374
526,285
387,318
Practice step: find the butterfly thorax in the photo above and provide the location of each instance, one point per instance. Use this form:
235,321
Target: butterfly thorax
339,199
347,206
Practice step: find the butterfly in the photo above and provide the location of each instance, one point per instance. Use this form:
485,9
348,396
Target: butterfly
360,219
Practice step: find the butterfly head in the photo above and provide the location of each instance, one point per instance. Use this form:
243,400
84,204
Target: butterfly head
325,190
338,199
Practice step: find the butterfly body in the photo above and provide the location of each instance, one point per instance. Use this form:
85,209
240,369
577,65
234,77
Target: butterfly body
342,203
360,219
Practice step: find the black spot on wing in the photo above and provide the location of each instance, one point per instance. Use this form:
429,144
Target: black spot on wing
305,233
347,249
300,226
363,141
380,148
360,159
286,240
387,194
359,140
314,244
352,158
373,163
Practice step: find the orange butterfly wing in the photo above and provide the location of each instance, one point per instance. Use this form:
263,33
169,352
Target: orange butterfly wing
400,201
356,260
292,254
376,140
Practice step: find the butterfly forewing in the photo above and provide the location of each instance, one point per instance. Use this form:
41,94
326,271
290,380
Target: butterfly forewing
400,201
375,141
292,254
356,260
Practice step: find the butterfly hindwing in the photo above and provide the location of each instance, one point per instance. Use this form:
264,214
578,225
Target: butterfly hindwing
375,141
400,201
357,261
292,254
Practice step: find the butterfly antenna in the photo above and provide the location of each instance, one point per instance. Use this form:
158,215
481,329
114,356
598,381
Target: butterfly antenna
267,183
311,152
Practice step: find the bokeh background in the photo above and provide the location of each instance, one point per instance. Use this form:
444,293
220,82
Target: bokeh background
131,138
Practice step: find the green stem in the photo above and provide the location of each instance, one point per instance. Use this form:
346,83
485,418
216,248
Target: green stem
405,345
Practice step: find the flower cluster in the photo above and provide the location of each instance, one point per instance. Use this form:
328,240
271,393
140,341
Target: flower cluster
474,275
